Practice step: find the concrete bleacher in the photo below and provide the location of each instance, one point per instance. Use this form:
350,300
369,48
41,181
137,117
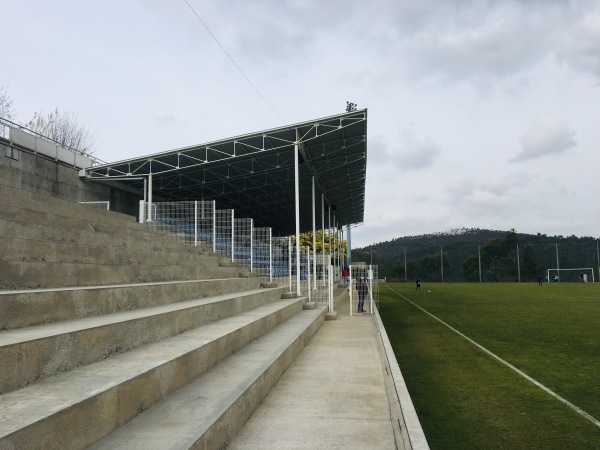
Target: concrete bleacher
109,331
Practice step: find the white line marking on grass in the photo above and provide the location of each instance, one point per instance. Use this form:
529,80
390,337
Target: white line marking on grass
520,372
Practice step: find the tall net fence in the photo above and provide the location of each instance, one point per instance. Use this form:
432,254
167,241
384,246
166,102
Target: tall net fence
493,262
200,223
281,260
224,232
243,241
189,222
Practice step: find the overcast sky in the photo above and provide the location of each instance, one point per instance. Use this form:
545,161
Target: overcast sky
480,113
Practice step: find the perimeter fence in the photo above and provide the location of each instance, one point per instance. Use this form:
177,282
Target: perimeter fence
200,223
470,262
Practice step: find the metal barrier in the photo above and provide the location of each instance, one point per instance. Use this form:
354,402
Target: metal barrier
194,222
364,288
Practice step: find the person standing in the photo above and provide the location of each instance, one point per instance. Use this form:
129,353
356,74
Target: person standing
362,288
540,280
418,285
345,274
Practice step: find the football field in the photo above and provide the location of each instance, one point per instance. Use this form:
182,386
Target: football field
499,365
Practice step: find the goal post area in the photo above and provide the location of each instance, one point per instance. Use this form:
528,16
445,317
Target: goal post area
578,275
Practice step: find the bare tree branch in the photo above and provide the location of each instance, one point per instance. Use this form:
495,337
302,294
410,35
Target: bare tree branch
64,128
6,104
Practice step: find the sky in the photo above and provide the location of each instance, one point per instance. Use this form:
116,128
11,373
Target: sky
481,114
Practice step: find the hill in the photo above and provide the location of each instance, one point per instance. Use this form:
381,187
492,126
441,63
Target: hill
456,255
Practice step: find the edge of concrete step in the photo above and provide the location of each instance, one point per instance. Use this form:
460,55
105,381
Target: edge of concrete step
209,411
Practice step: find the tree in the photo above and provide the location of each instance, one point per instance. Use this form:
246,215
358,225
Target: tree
471,268
307,241
64,128
6,104
430,266
530,265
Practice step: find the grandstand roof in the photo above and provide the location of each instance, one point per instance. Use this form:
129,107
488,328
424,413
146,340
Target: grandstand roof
254,173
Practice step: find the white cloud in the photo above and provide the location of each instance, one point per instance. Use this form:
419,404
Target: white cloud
582,47
548,135
414,152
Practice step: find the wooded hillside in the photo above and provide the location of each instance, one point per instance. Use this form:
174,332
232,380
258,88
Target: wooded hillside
455,255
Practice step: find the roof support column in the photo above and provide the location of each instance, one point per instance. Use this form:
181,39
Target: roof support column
348,245
149,218
329,231
323,223
314,236
297,209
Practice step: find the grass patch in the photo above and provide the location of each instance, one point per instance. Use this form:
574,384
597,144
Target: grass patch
467,399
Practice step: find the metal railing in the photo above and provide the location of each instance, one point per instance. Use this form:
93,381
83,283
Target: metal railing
39,143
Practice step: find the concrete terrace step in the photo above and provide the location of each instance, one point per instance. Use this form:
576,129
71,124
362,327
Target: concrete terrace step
40,202
40,274
26,308
87,232
37,250
75,409
209,411
59,347
73,219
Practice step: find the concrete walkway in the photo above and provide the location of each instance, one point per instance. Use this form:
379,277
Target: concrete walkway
333,396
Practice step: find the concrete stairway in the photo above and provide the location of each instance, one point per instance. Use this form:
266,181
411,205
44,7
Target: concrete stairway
117,337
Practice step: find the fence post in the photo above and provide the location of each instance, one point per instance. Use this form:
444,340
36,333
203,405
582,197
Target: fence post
308,270
370,275
142,210
195,223
350,287
251,245
330,302
232,235
290,261
214,231
270,255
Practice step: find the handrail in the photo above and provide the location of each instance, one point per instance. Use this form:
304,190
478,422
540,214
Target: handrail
10,124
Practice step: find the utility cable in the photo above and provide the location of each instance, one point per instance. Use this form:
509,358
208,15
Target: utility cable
234,63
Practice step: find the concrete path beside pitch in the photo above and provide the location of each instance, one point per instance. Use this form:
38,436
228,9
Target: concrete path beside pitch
333,396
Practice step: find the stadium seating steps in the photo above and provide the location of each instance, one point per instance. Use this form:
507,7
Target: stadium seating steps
109,331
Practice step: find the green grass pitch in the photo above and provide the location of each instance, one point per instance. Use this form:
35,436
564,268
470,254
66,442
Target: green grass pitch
467,399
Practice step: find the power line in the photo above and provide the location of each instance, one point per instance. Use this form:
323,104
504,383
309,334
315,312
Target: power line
234,63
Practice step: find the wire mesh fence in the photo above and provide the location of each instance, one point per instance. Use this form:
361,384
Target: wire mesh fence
224,240
189,222
197,222
493,262
242,242
364,288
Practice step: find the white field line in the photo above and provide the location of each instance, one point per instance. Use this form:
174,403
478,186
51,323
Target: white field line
520,372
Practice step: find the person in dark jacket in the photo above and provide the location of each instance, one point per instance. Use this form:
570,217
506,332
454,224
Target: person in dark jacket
362,288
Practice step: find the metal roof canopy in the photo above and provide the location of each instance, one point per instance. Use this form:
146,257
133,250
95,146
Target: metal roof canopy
254,173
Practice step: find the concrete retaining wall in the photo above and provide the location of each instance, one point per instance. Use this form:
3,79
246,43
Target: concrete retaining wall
26,170
407,428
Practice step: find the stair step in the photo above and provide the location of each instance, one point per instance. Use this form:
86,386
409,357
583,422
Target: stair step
17,249
40,202
26,308
58,347
209,411
75,409
40,274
